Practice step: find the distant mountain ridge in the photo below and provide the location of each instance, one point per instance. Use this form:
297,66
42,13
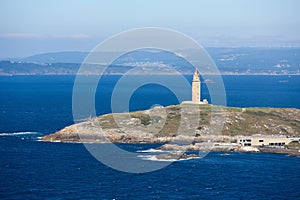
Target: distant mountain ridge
57,57
274,61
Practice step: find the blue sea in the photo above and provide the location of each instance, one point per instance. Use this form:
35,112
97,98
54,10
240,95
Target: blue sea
32,106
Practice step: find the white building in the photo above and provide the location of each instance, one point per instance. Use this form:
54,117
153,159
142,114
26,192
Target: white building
265,140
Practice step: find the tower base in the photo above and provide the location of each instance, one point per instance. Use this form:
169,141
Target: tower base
195,103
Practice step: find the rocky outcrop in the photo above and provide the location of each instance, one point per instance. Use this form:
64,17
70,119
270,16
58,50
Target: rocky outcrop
208,147
174,156
234,148
291,152
189,123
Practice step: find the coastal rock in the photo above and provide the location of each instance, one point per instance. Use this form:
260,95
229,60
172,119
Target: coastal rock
182,123
174,156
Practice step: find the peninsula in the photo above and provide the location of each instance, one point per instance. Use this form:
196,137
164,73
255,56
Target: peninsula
195,123
162,124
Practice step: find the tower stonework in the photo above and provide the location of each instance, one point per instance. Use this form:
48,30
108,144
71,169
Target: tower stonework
196,87
196,91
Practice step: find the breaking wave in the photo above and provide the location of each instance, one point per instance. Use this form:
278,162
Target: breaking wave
154,158
18,133
150,151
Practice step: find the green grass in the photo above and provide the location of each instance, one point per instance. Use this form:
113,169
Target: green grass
239,121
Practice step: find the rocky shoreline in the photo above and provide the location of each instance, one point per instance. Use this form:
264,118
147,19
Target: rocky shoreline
188,124
235,148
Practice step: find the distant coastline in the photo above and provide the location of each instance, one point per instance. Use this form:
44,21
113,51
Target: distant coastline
230,61
142,74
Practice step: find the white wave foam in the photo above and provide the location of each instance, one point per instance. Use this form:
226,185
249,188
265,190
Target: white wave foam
39,139
154,158
150,151
225,154
18,133
144,156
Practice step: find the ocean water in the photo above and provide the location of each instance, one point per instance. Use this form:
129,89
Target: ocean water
31,106
44,103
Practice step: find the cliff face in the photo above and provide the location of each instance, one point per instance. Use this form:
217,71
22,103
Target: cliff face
182,122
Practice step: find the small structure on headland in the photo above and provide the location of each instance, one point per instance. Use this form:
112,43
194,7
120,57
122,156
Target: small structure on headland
196,90
266,140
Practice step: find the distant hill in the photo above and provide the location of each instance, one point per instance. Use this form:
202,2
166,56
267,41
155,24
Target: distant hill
257,60
8,68
57,57
229,61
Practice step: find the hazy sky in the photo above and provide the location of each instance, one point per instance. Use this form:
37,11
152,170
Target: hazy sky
36,26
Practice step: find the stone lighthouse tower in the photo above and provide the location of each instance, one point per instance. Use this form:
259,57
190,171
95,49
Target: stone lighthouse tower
196,88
